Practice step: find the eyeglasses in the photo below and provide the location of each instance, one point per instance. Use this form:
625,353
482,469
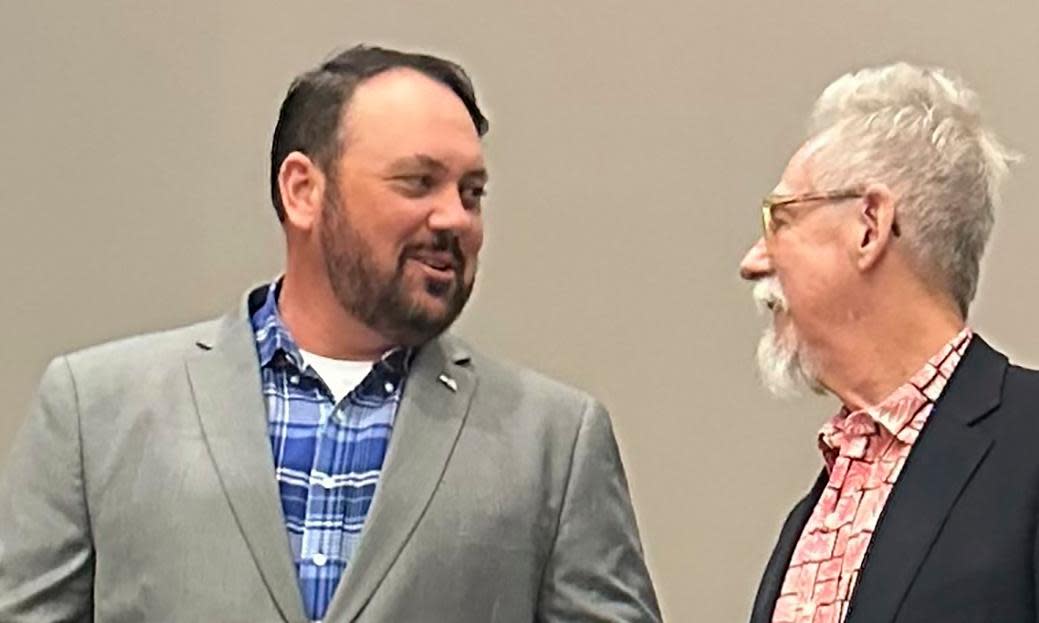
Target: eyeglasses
772,202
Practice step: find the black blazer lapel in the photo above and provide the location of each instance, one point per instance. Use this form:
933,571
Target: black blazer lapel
775,570
940,465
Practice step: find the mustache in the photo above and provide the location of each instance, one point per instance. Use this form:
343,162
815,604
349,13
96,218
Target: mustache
768,295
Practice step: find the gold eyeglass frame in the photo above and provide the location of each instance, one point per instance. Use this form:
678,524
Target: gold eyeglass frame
772,202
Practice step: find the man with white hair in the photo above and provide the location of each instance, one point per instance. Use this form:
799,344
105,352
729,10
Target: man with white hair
928,506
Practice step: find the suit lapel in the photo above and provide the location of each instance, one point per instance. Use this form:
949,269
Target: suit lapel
940,465
225,380
433,409
775,571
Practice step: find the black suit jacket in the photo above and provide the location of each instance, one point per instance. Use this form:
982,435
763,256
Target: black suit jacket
956,541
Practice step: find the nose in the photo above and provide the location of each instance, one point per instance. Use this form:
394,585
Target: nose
756,263
449,213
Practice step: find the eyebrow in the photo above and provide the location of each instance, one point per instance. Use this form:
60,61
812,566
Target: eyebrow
429,162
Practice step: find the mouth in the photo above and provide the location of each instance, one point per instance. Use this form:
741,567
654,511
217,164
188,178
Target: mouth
441,266
769,305
768,296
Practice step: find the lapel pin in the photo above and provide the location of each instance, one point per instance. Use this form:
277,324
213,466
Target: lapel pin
450,382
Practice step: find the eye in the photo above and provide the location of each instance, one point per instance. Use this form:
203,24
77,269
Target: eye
472,196
780,218
415,185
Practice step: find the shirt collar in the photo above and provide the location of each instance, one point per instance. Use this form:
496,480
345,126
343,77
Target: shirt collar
273,337
895,412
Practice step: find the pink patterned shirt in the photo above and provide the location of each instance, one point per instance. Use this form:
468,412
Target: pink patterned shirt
864,452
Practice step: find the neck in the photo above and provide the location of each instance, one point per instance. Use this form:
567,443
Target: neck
319,324
883,351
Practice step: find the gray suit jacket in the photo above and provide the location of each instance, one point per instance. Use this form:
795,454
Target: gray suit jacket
141,488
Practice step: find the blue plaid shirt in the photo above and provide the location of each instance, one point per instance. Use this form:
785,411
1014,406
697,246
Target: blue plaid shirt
327,456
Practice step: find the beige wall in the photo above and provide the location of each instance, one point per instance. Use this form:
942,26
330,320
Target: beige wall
630,144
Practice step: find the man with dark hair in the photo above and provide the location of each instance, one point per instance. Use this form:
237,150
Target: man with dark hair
325,451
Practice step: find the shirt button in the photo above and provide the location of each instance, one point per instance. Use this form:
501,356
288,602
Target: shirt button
319,559
294,379
388,387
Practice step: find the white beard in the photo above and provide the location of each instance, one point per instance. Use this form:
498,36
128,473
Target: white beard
785,369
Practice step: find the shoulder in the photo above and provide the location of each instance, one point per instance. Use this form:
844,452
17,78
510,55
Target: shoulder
1019,374
987,370
134,361
544,420
520,382
1021,386
146,347
1015,416
509,392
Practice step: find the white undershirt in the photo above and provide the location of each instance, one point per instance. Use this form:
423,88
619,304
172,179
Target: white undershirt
341,376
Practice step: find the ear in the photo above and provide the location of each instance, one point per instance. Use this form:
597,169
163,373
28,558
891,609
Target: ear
302,187
878,227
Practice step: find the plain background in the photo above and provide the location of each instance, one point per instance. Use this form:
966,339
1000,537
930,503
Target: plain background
629,146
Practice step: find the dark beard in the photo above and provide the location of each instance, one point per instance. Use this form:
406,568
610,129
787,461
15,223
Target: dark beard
380,300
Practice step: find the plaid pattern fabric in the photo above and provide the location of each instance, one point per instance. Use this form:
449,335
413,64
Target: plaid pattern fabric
327,456
864,451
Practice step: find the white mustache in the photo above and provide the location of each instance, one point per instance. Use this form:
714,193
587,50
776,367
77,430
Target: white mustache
768,295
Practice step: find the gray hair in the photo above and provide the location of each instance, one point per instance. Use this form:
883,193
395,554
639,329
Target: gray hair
919,131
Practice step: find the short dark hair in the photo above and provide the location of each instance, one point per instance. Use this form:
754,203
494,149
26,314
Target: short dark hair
309,120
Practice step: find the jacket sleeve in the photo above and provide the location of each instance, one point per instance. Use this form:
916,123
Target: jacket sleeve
596,571
46,556
1035,570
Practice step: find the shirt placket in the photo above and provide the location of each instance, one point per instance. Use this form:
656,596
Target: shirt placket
320,547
